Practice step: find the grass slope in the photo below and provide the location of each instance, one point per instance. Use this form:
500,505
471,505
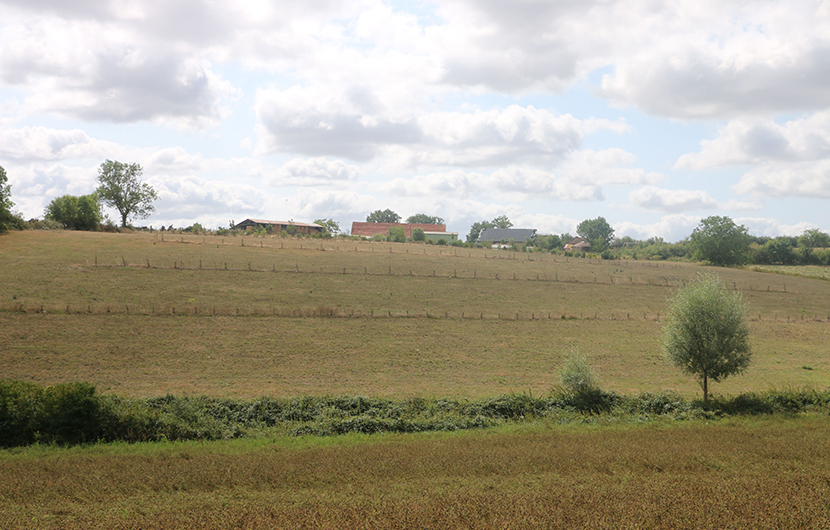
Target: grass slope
446,322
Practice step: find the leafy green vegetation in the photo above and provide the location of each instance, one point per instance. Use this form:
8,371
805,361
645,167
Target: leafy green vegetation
73,413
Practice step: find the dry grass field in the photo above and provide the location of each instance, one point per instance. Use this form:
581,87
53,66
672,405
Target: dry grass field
245,317
446,321
733,474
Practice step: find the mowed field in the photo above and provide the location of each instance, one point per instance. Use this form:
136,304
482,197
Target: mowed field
138,316
247,317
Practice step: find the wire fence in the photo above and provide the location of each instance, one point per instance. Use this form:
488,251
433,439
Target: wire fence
323,312
661,280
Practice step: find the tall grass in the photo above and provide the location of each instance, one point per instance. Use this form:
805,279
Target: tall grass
734,474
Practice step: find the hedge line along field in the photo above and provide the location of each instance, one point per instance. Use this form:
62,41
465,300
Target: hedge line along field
141,331
733,474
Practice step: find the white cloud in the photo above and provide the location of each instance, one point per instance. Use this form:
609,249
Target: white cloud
753,141
358,125
99,70
796,179
759,226
674,201
711,59
672,228
313,172
28,144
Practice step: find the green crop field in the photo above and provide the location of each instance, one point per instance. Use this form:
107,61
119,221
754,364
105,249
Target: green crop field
143,315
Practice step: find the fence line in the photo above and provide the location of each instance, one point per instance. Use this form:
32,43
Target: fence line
445,251
475,274
196,310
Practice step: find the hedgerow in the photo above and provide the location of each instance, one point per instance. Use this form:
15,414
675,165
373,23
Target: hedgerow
73,413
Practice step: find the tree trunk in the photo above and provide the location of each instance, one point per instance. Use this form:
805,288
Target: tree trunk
705,388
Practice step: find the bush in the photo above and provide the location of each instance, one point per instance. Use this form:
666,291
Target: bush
66,413
576,375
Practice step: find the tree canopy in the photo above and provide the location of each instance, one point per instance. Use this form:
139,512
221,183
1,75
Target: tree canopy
499,222
383,216
75,213
597,232
720,241
396,234
706,334
6,203
330,226
120,189
422,218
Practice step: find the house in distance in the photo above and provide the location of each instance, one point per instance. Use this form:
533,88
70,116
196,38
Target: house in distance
496,236
578,244
275,227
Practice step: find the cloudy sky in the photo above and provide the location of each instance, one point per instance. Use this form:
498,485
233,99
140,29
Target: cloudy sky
651,114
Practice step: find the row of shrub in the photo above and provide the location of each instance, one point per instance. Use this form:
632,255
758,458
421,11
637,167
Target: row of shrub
73,413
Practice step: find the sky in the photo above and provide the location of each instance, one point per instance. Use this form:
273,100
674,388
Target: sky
653,115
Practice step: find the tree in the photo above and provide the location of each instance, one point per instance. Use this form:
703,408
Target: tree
502,222
418,235
330,226
385,216
811,240
6,203
476,229
120,189
706,334
720,241
597,232
75,213
396,234
499,222
422,218
778,250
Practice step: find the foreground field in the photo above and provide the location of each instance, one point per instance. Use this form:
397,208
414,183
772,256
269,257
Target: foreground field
762,473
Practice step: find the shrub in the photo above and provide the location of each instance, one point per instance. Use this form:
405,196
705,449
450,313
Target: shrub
576,375
66,413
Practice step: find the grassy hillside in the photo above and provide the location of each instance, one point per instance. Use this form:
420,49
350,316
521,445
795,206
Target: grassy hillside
146,314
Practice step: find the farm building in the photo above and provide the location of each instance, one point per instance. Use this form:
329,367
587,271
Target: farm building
276,227
578,244
497,235
371,229
449,237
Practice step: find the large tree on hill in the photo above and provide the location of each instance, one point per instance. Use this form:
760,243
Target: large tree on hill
720,241
422,218
383,216
597,232
120,189
6,203
706,334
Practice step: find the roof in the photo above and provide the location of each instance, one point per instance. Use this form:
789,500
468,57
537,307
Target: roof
518,235
284,223
368,229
